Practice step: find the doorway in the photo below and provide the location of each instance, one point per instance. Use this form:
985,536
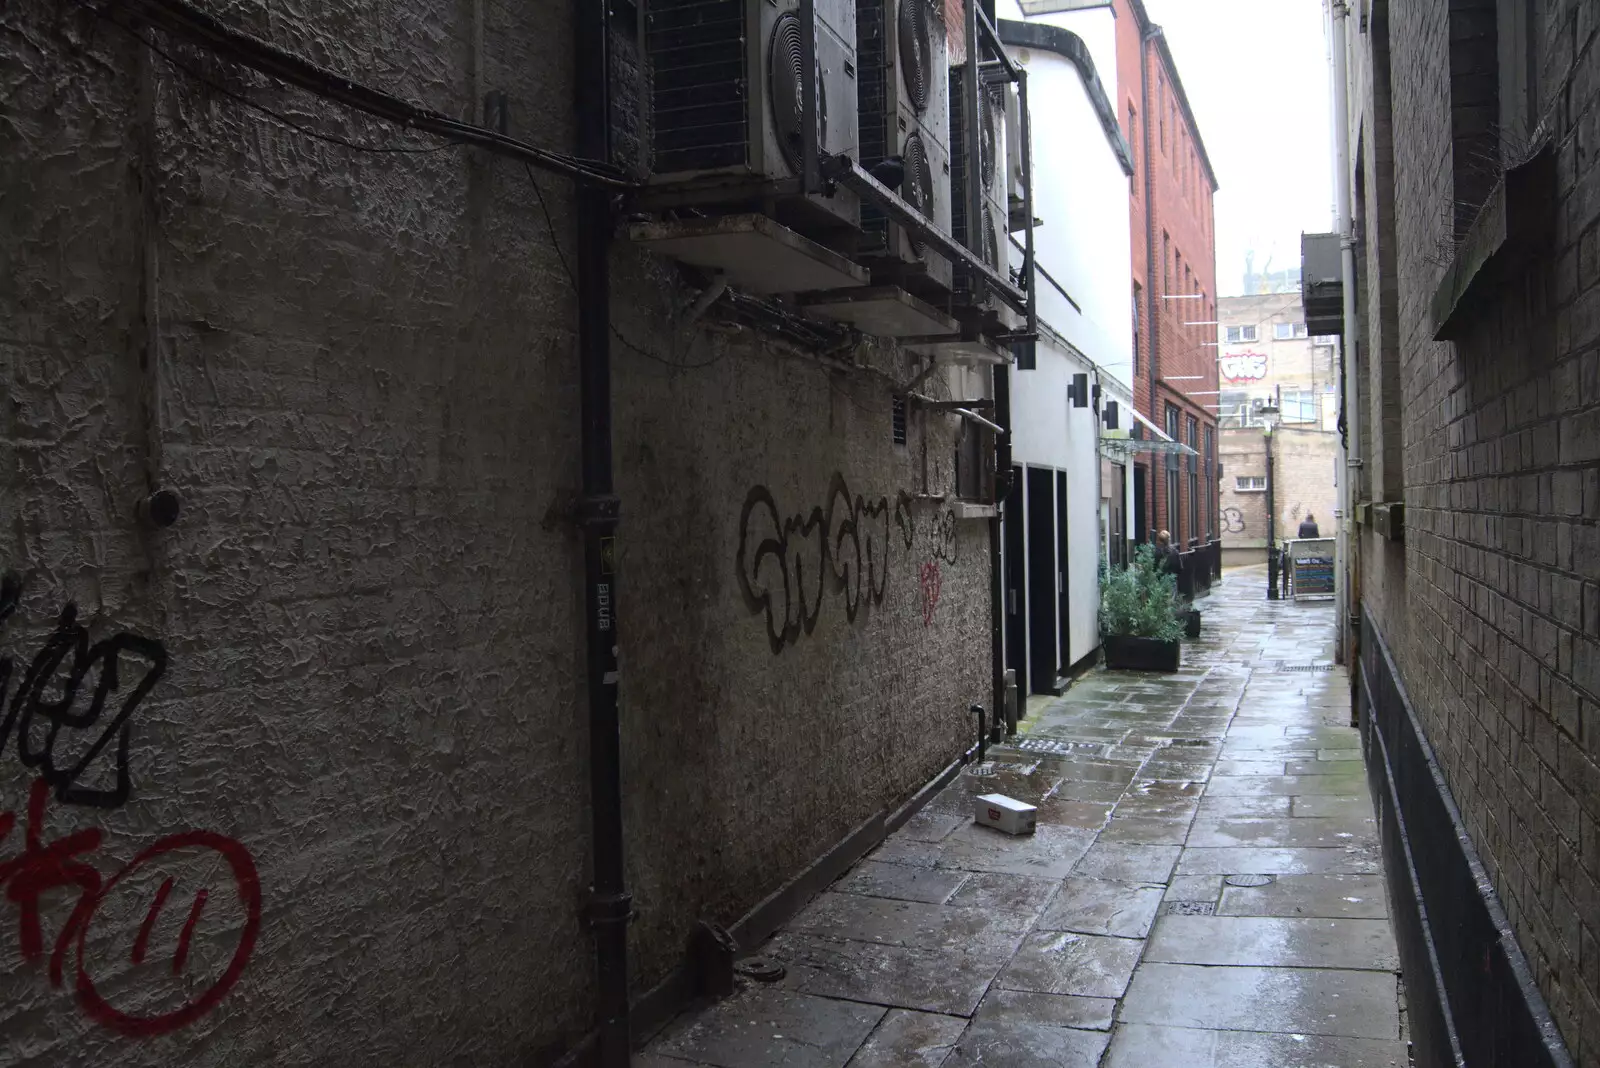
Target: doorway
1064,626
1141,517
1016,599
1043,582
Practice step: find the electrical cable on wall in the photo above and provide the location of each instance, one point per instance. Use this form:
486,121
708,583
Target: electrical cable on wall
188,22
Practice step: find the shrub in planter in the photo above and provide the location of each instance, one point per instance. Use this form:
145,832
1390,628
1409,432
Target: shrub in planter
1138,629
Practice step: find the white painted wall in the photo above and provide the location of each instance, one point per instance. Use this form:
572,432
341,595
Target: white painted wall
1081,194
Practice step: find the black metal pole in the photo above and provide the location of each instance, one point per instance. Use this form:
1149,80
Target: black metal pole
1272,533
972,122
610,904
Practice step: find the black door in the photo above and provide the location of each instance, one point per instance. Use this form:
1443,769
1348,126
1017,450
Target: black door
1063,631
1141,518
1042,583
1119,504
1016,599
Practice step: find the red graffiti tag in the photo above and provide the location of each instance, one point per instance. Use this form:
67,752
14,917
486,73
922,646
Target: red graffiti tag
931,581
43,867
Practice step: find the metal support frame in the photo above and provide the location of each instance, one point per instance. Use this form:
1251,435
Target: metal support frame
971,123
848,172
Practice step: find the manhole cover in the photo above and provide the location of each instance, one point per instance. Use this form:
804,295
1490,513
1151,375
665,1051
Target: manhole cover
1191,908
760,969
1248,880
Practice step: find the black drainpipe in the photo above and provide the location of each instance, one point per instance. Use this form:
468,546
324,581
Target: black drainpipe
1002,486
1153,273
609,904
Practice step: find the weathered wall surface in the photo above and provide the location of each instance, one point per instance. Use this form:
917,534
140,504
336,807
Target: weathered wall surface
359,371
1303,464
1495,625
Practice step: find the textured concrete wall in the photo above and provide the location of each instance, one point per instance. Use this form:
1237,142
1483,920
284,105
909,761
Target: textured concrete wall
1496,616
359,370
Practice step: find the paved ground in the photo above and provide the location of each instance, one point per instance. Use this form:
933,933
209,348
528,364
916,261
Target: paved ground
1204,889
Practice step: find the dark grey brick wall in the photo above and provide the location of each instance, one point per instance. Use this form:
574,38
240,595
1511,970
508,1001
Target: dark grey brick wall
1492,605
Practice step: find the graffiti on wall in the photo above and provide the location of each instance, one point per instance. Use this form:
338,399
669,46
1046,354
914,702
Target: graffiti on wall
55,737
1232,521
787,563
71,721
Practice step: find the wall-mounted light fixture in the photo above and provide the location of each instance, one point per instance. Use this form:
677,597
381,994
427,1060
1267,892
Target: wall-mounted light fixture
1078,391
1111,415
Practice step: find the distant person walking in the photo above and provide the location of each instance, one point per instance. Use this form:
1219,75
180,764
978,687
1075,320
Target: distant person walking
1308,527
1167,559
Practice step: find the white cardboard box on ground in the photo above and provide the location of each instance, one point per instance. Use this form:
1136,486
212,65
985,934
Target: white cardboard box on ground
1005,814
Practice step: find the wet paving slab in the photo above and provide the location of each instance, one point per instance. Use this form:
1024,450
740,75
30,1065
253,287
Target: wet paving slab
1351,1004
1203,890
1148,1046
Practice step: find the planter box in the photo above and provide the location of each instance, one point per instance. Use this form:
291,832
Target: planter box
1139,654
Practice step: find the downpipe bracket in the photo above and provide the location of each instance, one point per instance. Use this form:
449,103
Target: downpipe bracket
602,510
608,910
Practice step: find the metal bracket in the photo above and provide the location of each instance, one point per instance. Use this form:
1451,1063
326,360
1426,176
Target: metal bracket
599,511
603,910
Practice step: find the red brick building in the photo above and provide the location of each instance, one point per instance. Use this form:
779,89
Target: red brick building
1174,285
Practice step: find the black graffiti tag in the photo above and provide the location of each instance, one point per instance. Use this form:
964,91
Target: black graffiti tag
786,563
42,713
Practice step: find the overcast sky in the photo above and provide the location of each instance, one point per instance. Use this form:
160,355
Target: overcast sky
1256,73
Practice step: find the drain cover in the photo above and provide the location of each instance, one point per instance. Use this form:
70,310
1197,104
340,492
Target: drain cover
1248,880
761,969
1191,908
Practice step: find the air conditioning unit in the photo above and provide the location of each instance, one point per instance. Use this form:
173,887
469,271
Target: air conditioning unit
991,229
904,104
727,98
1016,167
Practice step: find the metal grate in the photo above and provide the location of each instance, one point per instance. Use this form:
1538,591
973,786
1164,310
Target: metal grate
1285,666
916,51
1191,908
785,59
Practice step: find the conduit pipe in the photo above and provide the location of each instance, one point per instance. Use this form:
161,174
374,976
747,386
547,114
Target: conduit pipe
1347,576
610,905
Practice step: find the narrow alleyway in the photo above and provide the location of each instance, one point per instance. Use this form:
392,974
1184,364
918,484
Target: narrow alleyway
1204,889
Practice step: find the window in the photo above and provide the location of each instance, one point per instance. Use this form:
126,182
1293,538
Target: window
1161,111
1166,263
1325,339
1194,481
971,476
1133,143
1285,331
1297,406
1211,481
1237,334
1250,484
1233,408
1174,509
1138,297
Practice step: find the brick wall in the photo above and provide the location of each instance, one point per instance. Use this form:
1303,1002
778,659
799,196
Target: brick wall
1495,617
1183,260
1302,479
359,371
